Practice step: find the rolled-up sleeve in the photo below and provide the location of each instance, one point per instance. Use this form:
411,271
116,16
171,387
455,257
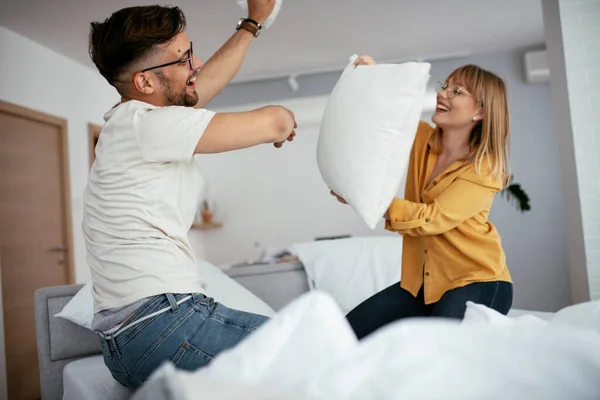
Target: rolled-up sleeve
460,201
170,134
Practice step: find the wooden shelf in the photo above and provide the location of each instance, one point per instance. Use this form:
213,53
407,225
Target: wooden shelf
207,225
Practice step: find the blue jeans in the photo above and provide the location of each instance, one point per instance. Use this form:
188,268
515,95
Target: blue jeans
395,303
189,335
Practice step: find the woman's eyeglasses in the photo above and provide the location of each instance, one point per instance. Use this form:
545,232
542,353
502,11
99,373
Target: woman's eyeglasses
452,91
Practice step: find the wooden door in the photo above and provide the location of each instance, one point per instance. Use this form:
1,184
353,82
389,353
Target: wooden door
35,232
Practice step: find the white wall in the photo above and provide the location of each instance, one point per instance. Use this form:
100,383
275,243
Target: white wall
573,36
35,77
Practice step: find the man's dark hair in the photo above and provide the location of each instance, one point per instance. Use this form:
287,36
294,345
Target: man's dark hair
129,35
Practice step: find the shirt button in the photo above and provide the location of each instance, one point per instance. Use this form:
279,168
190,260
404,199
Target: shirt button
425,251
434,182
426,273
427,219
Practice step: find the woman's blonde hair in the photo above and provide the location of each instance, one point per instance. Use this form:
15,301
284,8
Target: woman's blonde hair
490,138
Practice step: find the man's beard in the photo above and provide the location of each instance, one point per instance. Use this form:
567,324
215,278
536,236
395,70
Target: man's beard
176,99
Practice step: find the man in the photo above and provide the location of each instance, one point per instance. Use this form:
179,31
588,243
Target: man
143,188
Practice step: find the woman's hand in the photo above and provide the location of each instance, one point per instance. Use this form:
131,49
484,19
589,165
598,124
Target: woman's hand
386,216
340,199
364,60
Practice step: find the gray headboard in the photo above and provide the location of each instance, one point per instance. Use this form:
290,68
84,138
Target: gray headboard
60,341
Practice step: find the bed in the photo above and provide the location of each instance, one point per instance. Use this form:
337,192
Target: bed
69,356
71,366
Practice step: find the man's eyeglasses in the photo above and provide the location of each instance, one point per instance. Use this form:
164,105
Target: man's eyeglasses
189,59
453,91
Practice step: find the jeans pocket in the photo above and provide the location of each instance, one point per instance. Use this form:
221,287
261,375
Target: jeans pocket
190,358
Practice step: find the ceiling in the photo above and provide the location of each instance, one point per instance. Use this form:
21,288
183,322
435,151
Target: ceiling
308,35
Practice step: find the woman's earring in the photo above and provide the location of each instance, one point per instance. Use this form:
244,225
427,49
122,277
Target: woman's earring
475,118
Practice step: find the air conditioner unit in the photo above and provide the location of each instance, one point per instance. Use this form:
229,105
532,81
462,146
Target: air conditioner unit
536,67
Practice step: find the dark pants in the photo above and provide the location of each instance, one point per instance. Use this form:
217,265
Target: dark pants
395,303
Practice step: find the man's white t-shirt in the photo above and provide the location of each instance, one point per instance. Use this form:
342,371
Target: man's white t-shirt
142,195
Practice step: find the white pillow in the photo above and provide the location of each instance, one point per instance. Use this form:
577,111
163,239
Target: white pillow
582,316
169,383
543,315
306,334
353,269
429,358
308,349
80,309
367,132
480,314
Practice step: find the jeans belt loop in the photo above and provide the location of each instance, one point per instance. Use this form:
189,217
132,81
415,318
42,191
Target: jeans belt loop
172,302
104,343
114,344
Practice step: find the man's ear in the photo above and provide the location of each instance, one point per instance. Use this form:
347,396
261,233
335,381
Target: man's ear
143,82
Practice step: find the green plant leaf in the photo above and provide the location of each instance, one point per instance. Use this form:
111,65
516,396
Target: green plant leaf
517,196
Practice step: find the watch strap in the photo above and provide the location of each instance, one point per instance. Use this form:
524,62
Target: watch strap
250,25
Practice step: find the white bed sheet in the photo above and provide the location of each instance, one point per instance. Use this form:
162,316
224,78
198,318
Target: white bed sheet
546,316
530,360
90,379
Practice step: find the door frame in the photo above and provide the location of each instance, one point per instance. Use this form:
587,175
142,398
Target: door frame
61,124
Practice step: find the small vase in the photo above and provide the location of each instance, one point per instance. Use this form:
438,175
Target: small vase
207,216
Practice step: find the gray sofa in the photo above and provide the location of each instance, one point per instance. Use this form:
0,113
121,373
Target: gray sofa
60,341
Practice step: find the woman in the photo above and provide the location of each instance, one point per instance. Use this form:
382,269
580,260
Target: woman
451,252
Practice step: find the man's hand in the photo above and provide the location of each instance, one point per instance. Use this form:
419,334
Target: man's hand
291,136
289,139
339,198
223,66
259,10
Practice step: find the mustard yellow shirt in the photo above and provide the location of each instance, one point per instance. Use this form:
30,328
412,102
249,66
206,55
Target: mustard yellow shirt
448,240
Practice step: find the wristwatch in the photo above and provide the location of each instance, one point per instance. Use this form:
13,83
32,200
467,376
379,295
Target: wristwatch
250,25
